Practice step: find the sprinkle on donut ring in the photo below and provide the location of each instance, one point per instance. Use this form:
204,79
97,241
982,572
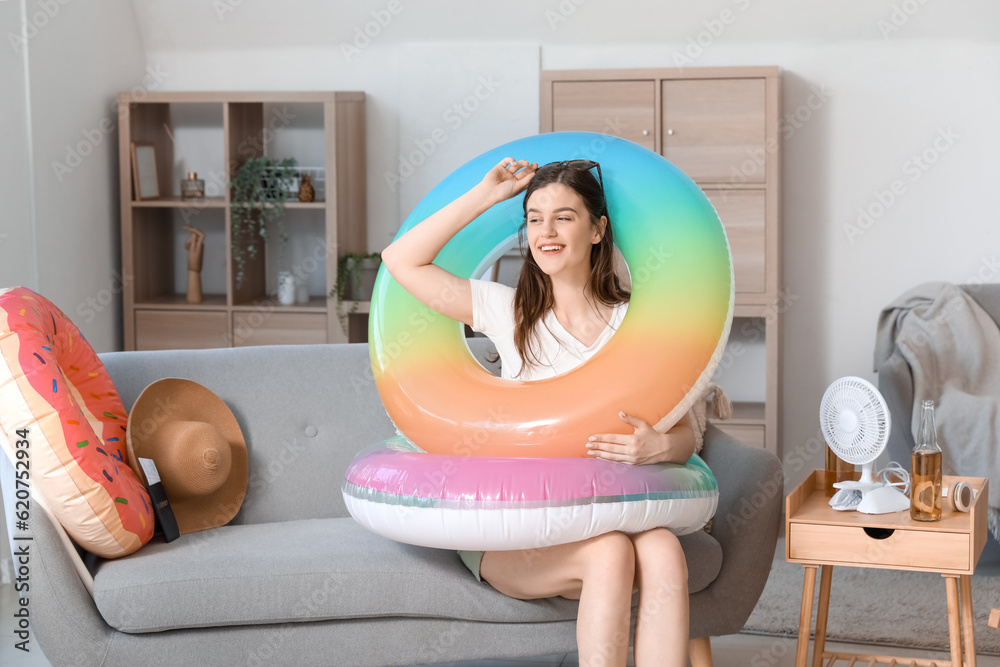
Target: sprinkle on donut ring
55,391
654,367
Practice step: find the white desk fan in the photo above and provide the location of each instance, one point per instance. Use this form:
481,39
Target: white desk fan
855,422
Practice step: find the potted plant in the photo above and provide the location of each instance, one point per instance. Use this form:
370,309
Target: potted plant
259,192
355,280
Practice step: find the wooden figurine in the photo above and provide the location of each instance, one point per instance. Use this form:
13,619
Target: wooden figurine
306,191
195,245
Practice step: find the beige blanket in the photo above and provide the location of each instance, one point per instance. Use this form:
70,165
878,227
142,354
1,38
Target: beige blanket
953,349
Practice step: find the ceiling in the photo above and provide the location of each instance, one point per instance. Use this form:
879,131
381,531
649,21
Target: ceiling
171,25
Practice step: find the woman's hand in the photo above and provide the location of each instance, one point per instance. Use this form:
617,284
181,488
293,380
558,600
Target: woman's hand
509,178
646,445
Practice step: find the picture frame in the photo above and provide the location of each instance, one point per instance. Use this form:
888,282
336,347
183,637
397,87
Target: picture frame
144,177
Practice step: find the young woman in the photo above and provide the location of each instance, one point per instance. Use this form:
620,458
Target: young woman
567,304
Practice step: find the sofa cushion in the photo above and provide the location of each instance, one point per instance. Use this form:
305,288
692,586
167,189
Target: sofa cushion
314,569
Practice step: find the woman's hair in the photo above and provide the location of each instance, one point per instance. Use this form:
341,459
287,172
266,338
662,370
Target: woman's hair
533,296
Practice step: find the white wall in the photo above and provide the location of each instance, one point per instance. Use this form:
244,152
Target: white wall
18,264
64,187
58,228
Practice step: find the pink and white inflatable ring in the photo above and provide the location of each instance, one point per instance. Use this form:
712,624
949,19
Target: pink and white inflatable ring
501,503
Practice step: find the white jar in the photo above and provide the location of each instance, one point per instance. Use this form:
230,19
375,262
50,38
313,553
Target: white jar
286,288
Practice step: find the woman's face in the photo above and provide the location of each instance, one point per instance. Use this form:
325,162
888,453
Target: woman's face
559,229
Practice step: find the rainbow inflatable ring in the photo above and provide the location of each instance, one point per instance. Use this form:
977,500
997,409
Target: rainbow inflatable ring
482,463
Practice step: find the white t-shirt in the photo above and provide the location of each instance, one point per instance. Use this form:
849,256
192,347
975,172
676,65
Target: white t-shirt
559,351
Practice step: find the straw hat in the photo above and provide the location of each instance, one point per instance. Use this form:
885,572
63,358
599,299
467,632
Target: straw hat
195,441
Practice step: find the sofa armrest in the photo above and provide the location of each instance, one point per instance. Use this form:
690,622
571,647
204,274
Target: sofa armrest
63,618
746,524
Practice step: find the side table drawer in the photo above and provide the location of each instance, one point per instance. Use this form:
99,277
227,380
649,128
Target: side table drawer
907,549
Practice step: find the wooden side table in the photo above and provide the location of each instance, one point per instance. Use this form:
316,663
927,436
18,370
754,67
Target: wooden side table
820,537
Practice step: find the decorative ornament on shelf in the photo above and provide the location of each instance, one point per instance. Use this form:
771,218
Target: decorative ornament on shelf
193,187
195,246
307,192
259,191
356,274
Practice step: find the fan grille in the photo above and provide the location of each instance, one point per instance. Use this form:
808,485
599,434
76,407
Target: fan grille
855,420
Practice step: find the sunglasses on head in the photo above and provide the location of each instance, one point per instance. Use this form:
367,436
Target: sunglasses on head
585,165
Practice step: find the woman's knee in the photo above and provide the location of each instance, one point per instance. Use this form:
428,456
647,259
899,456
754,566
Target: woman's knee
659,553
609,553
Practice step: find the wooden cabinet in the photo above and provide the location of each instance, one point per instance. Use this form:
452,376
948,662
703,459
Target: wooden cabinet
712,126
744,215
720,126
214,133
622,108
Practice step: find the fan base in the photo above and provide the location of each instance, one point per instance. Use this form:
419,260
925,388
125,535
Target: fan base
884,500
863,487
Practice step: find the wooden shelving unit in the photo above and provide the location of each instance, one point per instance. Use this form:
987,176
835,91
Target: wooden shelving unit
720,126
156,312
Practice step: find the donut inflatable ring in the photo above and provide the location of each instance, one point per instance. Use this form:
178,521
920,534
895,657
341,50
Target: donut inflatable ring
655,366
63,424
497,503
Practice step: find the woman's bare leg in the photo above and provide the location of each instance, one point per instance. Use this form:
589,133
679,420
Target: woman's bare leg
661,624
599,572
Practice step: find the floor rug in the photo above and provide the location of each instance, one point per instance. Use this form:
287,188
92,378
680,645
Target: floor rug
873,606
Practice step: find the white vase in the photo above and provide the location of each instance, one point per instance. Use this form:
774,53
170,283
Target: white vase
286,288
302,293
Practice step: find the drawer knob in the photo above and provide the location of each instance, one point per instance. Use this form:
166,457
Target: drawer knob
670,131
879,533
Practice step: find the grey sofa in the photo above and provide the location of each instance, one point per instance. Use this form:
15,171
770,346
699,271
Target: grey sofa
293,580
895,383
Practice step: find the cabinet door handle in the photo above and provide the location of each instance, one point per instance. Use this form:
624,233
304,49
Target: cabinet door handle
670,131
645,133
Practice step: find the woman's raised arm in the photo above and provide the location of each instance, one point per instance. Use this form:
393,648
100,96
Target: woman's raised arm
409,259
